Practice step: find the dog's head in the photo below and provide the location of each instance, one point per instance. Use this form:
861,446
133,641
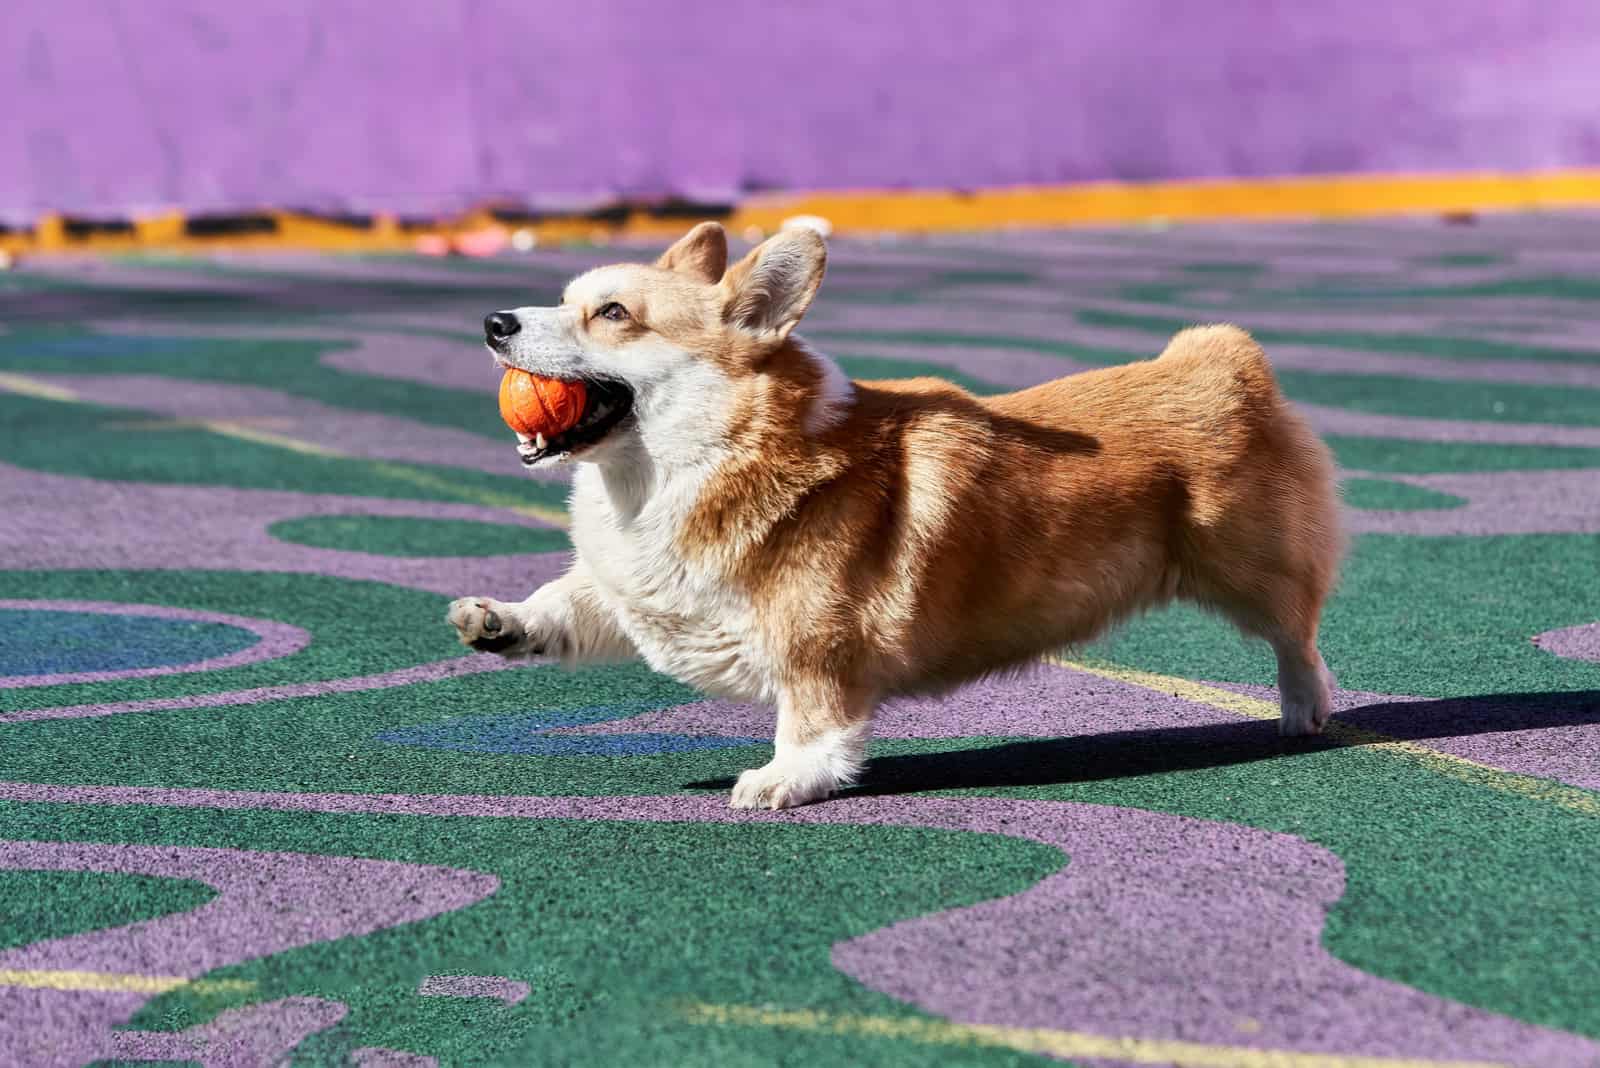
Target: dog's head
665,348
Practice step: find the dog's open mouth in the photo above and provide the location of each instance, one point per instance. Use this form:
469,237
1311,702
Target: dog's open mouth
608,403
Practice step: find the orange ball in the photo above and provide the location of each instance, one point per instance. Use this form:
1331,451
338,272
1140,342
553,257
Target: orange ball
531,404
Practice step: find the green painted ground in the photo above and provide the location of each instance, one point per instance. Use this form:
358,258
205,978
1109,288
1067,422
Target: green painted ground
1469,862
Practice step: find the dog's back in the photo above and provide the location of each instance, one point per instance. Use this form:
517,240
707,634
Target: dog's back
1207,417
1068,506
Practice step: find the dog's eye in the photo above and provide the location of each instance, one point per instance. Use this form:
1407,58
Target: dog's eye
613,311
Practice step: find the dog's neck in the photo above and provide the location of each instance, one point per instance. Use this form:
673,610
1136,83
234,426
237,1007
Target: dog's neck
754,470
830,398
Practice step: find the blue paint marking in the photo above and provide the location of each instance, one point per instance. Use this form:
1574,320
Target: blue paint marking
38,641
522,734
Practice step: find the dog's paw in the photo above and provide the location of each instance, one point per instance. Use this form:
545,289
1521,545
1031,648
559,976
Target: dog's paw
490,627
1306,704
772,786
763,787
801,774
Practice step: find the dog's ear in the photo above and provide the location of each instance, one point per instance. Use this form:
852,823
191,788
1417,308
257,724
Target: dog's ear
769,290
702,254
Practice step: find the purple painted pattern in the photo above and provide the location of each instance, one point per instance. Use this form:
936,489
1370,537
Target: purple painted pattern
455,667
509,991
1554,742
1236,912
1044,702
1575,643
1092,948
1498,502
251,1037
276,640
377,1057
340,431
1554,738
234,537
266,903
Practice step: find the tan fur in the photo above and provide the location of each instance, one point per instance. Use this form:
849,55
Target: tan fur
927,537
934,536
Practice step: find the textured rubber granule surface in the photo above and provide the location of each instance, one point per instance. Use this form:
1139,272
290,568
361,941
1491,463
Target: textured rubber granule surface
256,804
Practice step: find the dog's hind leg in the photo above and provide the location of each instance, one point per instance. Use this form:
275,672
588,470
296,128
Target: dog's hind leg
1267,558
1305,686
1285,611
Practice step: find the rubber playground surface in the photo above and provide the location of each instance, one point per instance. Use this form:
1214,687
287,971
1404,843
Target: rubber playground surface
256,804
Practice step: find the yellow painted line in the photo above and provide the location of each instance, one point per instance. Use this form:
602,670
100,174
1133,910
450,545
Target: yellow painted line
1570,798
32,387
1324,196
556,517
915,210
1227,700
244,432
190,424
1047,1041
507,501
117,983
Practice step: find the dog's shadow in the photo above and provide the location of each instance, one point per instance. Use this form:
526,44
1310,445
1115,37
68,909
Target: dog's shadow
1129,754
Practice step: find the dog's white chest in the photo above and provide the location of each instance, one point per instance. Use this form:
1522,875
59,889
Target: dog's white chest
684,622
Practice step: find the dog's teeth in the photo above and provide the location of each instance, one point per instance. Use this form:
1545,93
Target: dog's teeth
539,441
524,438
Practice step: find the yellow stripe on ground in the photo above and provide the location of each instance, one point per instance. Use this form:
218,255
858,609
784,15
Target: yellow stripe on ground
507,501
188,424
510,502
556,517
245,432
1198,692
1570,798
32,387
118,983
1047,1041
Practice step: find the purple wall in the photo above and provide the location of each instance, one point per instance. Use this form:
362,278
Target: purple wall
112,106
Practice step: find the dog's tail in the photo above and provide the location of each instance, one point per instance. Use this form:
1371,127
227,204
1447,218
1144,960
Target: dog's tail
1246,418
1219,345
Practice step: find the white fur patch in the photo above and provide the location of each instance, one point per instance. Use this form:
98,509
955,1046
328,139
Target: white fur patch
928,503
800,774
546,342
834,398
686,621
595,287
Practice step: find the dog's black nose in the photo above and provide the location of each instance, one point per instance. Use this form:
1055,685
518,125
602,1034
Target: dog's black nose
500,325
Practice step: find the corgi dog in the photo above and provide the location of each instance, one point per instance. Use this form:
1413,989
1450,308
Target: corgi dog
753,523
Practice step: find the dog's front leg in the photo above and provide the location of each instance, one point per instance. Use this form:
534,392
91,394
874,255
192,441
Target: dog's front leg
565,619
821,747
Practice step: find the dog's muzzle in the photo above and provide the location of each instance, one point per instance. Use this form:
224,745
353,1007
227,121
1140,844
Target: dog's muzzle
497,326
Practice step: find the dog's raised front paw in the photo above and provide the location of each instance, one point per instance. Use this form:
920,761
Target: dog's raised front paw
489,626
